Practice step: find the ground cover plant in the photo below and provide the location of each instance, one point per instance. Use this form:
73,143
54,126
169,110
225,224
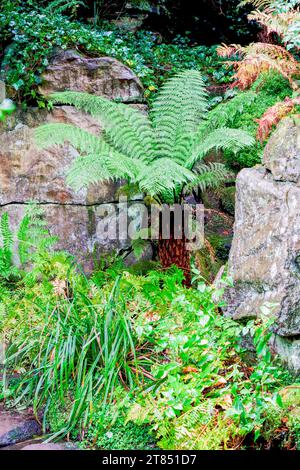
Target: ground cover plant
31,34
141,359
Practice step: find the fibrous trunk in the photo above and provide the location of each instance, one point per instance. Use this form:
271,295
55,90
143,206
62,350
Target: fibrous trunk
175,252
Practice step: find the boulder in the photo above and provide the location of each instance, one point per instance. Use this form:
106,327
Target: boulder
16,428
30,174
282,153
101,76
264,259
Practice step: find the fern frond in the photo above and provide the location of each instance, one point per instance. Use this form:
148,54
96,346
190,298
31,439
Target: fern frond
59,133
207,176
127,128
91,169
6,233
222,138
162,176
87,170
256,3
274,115
278,23
158,159
225,113
261,57
177,110
230,50
32,233
60,6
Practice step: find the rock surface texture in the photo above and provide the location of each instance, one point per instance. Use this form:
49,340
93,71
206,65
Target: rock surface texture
101,76
15,428
29,174
265,255
20,431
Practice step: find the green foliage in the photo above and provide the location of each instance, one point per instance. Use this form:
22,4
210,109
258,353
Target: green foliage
244,109
109,431
29,239
32,33
228,199
77,350
160,155
139,359
205,397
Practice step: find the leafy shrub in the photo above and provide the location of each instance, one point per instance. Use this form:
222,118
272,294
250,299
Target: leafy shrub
32,34
269,89
140,354
206,397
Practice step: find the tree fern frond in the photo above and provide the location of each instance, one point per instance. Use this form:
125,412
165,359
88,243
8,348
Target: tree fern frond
207,176
59,133
128,129
163,175
221,138
177,111
225,113
91,169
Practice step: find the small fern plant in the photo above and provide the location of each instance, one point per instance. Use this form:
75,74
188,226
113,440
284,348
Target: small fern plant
161,154
19,247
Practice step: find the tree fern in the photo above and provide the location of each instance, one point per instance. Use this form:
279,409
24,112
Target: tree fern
220,139
158,153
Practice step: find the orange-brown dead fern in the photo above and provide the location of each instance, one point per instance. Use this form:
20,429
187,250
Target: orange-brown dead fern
257,58
273,115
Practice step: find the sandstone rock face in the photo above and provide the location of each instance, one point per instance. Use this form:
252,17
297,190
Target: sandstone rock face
101,76
29,174
265,255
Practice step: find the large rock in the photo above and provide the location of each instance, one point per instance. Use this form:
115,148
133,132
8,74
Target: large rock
265,255
29,174
16,428
282,153
101,76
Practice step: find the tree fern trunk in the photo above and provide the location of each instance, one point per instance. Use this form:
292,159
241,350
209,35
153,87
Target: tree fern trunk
172,252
